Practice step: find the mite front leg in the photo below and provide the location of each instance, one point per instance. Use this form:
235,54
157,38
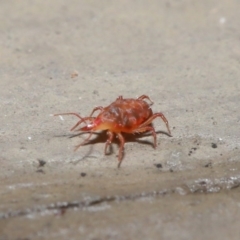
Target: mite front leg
121,148
95,109
71,113
80,121
77,115
84,142
109,141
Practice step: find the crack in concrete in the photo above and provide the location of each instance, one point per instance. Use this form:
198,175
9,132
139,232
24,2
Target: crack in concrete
193,187
62,206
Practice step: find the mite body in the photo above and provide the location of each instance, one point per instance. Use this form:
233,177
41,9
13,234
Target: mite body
122,116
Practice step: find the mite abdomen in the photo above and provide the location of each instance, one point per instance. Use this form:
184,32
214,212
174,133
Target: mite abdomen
127,113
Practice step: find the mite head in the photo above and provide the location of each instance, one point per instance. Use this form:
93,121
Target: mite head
94,125
89,127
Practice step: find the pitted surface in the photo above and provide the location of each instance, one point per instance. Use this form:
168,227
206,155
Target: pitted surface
71,56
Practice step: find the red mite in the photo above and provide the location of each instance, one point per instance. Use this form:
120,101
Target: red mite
122,116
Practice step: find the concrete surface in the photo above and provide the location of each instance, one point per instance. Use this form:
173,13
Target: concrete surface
61,56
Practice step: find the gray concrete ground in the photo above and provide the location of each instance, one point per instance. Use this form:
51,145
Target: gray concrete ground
61,56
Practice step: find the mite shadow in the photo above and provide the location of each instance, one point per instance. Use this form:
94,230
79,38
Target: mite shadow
101,137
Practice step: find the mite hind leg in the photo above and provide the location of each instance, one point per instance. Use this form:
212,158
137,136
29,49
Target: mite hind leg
120,98
148,128
84,142
145,97
149,121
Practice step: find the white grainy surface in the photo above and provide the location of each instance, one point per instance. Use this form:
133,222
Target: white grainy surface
71,56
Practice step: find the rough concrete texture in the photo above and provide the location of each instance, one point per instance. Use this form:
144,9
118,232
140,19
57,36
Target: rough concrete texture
71,56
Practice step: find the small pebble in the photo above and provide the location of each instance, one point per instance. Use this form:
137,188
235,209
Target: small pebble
83,174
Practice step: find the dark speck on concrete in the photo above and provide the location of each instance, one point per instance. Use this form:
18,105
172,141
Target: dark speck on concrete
208,165
83,174
214,145
158,165
41,162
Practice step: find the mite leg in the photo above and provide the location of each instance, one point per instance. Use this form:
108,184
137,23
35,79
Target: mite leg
109,141
145,97
148,128
121,148
155,116
120,98
84,142
90,118
79,122
95,109
75,114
